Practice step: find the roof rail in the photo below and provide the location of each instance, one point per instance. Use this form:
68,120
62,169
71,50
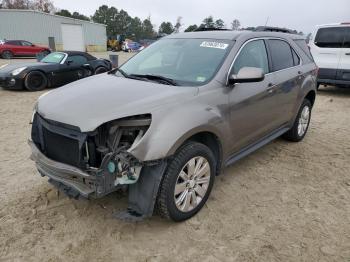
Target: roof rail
274,29
199,29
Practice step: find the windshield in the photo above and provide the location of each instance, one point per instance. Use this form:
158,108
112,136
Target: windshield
54,58
186,61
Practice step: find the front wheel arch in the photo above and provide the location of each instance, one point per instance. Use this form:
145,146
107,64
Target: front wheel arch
210,140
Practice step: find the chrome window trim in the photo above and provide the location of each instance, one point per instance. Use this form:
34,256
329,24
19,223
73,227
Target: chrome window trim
263,38
64,59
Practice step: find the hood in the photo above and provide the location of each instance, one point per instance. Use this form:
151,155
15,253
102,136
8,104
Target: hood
10,67
95,100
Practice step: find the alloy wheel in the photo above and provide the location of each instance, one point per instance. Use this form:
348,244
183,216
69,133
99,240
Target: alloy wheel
192,184
303,120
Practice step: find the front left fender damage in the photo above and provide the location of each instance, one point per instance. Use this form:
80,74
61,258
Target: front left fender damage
97,163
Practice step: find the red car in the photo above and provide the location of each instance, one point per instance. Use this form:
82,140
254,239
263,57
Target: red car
11,48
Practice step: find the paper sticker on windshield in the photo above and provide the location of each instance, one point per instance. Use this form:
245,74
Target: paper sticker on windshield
214,45
200,79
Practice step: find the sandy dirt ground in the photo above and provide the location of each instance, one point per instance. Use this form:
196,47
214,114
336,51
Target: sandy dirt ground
285,202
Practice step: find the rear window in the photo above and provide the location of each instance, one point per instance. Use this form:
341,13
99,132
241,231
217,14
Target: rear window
281,54
330,37
303,46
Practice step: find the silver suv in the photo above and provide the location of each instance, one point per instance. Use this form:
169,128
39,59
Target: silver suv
170,119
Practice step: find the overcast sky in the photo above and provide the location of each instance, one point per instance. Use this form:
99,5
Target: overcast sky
301,15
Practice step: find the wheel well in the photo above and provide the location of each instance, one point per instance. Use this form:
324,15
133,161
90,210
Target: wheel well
311,97
7,51
211,141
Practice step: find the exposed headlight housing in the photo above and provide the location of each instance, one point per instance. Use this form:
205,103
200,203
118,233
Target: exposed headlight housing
35,109
18,70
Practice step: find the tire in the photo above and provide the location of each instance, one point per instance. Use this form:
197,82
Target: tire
35,81
100,70
7,54
301,124
198,188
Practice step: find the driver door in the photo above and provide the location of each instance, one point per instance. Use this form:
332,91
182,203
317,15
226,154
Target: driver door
71,70
251,104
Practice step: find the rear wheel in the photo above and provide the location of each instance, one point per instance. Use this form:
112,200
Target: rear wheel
100,70
301,124
35,81
187,182
7,54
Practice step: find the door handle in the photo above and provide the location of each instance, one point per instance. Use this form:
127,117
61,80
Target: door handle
270,88
347,53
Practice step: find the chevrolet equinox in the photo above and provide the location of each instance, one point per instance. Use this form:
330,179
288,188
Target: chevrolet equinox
166,122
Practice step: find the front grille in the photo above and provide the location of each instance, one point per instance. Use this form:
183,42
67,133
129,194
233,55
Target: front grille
50,140
61,148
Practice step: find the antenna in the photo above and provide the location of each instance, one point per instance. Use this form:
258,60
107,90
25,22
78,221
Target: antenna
267,20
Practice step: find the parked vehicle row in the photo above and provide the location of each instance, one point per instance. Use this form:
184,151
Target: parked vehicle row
11,48
54,70
172,117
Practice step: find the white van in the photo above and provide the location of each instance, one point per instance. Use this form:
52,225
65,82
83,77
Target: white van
331,51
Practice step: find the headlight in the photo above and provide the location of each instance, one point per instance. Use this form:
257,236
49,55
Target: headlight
18,71
3,66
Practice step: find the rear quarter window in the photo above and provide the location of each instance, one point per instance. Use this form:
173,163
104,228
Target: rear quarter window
330,37
306,50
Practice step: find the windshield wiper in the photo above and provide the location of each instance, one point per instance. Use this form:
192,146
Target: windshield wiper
126,75
113,71
158,78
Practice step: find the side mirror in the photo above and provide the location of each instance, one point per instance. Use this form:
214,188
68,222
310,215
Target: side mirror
69,62
247,75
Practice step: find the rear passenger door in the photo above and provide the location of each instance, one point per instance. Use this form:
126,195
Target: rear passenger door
15,47
287,79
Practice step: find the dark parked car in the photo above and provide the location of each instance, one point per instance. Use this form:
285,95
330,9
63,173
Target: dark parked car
172,117
55,69
11,48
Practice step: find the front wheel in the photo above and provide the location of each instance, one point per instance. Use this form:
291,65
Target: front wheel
301,124
187,182
35,81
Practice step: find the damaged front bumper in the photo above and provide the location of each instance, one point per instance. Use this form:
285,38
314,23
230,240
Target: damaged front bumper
72,180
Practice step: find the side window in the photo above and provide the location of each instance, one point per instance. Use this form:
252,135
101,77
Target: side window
330,37
77,59
281,55
296,58
253,54
25,43
303,46
13,43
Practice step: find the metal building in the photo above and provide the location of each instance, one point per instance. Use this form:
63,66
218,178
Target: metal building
67,33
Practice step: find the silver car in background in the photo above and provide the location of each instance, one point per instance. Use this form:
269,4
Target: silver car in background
171,118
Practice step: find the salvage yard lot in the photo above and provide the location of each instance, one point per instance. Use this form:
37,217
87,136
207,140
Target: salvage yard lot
285,202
